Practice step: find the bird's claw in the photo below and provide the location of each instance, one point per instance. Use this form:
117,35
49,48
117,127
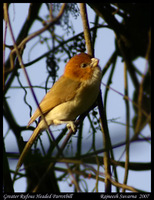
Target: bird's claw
72,126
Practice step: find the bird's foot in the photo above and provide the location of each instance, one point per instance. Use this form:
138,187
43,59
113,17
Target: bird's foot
70,124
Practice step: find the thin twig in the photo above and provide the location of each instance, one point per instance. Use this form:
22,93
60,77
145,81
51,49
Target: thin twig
106,140
127,127
51,165
86,30
97,173
124,186
28,38
101,109
128,99
113,58
5,31
140,124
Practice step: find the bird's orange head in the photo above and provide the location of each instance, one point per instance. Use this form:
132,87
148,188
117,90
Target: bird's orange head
81,67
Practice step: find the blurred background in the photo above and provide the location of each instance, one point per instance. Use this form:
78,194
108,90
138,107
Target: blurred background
121,38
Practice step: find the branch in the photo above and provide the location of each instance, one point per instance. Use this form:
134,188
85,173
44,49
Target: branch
28,38
127,127
100,104
86,29
106,140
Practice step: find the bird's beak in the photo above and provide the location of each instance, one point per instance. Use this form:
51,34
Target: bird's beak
94,62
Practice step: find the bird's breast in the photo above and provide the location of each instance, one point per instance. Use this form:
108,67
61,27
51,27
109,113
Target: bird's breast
85,96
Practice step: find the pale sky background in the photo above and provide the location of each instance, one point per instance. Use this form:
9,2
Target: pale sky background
139,151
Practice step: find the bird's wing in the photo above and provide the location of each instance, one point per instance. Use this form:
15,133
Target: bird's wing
63,90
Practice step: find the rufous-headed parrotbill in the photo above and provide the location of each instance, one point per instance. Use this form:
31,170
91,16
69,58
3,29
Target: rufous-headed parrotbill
73,94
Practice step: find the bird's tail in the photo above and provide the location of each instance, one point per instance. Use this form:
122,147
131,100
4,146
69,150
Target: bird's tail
26,149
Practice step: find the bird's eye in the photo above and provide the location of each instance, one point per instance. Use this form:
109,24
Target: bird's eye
83,65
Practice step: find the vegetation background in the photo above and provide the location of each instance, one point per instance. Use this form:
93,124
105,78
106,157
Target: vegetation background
111,150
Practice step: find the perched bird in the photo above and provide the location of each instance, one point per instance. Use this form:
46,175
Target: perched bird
73,94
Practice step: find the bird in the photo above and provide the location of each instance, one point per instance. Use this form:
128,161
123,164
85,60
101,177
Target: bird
70,96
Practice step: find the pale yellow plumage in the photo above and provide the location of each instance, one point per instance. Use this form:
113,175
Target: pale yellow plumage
55,97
